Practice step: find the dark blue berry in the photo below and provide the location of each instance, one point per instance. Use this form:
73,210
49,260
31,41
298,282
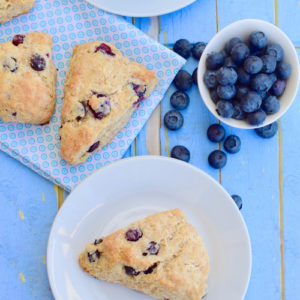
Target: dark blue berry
195,76
198,49
258,40
239,52
257,117
93,256
261,82
214,61
181,153
283,70
269,64
226,76
180,100
18,39
273,77
241,92
231,43
94,147
38,63
271,105
232,144
183,80
263,94
238,113
214,96
133,234
276,51
210,79
226,92
217,159
278,88
243,76
216,133
173,120
131,271
225,109
238,201
152,249
251,102
11,64
150,269
228,62
253,64
183,48
267,131
98,241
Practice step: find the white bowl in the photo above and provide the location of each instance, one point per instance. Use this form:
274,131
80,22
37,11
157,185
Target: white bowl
242,29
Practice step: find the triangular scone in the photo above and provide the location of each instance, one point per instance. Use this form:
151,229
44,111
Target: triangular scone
13,8
102,90
27,79
162,256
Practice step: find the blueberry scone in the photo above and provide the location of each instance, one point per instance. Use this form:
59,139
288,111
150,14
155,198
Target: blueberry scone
102,90
162,256
27,79
13,8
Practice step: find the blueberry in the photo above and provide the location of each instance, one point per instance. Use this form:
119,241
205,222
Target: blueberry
216,133
243,76
181,153
276,51
258,40
93,256
263,94
150,269
214,96
98,241
198,49
173,120
195,77
257,117
210,79
239,52
217,159
131,271
133,234
226,92
180,100
283,70
267,131
214,60
152,249
18,39
238,201
226,76
105,49
251,102
232,144
224,54
228,62
269,64
273,77
183,80
278,87
231,43
238,113
37,63
183,48
11,64
253,64
261,82
271,105
241,92
94,147
225,109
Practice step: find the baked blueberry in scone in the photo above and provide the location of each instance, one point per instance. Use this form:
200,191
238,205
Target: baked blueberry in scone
102,90
13,8
27,79
162,256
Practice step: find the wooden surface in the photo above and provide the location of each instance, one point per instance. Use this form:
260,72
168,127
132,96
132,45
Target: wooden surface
266,173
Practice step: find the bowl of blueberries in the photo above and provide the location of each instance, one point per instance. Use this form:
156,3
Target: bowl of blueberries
248,74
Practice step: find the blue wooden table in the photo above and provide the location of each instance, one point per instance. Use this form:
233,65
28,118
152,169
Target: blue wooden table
266,173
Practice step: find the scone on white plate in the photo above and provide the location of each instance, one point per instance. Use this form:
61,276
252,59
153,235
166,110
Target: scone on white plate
102,90
162,256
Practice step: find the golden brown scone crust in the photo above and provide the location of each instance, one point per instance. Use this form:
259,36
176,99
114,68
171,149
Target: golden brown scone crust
13,8
26,95
93,78
182,263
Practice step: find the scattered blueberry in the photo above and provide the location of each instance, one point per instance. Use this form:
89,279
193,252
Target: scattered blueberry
226,92
37,63
269,64
133,234
258,40
253,64
18,39
251,102
183,80
216,133
214,96
104,49
131,271
217,159
225,109
180,100
195,77
214,61
239,52
271,105
226,76
152,249
241,92
232,144
267,131
276,51
238,201
210,79
198,49
11,64
93,256
183,48
257,117
150,269
283,70
243,76
94,147
98,241
278,87
238,113
261,82
228,62
173,120
231,43
181,153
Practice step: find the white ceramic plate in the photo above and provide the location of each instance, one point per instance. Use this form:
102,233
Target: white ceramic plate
132,189
138,8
